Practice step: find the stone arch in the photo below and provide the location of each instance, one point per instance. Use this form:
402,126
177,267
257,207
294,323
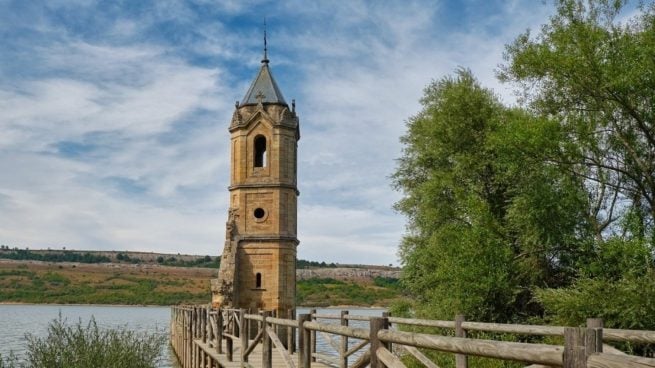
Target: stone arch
260,148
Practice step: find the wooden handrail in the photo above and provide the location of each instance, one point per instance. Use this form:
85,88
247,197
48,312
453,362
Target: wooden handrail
326,358
355,348
359,333
530,353
254,343
389,360
641,336
420,356
354,317
514,328
602,360
280,348
326,316
197,335
282,322
422,322
254,317
363,360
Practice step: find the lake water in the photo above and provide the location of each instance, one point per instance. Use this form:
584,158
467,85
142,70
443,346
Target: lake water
18,320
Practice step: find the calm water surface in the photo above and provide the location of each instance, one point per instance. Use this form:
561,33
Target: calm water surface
323,345
18,320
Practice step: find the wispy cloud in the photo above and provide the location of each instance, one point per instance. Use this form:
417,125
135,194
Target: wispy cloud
114,117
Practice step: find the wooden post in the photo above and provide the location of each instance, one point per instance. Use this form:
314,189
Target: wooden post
377,324
291,336
387,315
461,360
190,338
594,341
343,348
252,332
173,330
211,331
180,339
183,341
574,347
228,341
192,330
205,333
304,342
201,334
206,328
201,328
194,322
198,335
243,334
187,339
267,346
259,323
219,331
312,313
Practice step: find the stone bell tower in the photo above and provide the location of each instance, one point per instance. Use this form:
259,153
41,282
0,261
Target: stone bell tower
258,265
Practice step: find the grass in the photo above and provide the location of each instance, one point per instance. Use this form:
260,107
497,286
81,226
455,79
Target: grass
38,282
322,292
102,284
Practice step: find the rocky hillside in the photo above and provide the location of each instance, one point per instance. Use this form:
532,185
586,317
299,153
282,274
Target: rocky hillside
361,273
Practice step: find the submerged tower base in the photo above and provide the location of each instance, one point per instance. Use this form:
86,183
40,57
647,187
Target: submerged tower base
258,265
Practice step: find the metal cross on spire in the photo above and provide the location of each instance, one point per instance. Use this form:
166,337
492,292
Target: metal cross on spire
265,59
260,97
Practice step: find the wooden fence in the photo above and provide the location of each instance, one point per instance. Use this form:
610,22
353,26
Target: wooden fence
207,338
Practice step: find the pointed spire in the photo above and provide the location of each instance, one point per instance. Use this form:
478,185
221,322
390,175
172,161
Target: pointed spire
263,89
265,59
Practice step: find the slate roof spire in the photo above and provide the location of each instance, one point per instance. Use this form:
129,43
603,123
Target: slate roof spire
264,89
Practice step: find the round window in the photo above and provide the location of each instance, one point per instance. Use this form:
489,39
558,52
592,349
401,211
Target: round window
260,213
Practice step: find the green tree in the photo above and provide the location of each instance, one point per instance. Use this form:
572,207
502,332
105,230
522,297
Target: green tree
594,75
489,219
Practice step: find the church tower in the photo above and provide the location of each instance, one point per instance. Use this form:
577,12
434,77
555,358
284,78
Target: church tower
258,265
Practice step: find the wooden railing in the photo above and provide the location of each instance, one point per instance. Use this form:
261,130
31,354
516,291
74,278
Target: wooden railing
205,337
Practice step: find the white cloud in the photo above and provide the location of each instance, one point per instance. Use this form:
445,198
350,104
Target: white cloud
150,119
137,95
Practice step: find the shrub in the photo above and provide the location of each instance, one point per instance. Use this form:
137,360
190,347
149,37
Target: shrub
8,362
79,346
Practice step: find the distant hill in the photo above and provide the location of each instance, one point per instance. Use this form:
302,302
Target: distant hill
184,260
96,256
123,277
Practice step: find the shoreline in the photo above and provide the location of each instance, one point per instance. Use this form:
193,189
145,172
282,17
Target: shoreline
336,307
86,305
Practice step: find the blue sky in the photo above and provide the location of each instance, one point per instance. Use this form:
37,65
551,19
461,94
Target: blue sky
114,114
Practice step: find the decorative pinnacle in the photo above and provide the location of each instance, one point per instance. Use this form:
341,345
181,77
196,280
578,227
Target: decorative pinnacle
265,59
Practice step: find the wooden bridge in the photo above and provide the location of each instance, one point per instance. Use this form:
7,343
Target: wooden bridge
202,337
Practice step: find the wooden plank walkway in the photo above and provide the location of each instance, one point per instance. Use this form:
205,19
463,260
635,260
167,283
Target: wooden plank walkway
255,358
191,325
